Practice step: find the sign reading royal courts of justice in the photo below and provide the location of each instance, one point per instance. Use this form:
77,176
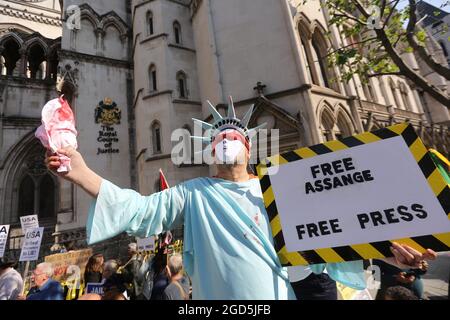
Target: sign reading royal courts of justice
107,114
349,199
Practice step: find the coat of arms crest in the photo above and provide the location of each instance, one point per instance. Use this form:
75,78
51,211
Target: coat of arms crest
107,112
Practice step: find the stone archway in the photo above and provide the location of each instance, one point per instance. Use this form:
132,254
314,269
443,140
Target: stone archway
29,188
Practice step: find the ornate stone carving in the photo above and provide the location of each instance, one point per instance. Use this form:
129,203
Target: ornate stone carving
27,15
68,73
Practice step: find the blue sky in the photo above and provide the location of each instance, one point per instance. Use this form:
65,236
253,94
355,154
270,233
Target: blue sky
436,3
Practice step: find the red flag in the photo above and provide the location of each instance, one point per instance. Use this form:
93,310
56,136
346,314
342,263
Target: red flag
163,184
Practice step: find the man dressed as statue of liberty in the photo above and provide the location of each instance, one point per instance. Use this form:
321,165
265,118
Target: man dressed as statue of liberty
228,247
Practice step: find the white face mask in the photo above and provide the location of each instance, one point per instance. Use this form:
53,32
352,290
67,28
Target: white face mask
227,152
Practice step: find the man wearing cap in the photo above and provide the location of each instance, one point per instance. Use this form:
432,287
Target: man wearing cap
11,283
228,247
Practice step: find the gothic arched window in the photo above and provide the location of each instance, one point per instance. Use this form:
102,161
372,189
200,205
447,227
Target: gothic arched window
444,49
153,85
46,197
404,95
11,56
177,32
394,93
156,137
26,197
343,126
150,23
369,92
325,73
327,125
320,65
36,62
37,195
182,84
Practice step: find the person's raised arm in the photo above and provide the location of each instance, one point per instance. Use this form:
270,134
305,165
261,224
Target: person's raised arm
115,210
80,174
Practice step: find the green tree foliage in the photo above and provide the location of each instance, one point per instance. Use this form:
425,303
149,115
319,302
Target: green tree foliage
380,35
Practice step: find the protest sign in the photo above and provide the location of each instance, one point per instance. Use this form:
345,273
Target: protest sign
94,288
4,230
146,244
349,199
69,266
29,222
31,244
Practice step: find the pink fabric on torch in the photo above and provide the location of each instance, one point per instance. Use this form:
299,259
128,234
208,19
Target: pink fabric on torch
58,129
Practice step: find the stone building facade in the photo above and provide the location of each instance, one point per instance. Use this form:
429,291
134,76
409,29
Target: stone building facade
155,63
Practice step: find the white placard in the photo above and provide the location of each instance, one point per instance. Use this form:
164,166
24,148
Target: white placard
146,244
4,230
29,222
395,200
32,244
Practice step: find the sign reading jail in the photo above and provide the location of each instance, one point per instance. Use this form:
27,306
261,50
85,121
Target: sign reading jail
31,244
94,288
347,200
4,230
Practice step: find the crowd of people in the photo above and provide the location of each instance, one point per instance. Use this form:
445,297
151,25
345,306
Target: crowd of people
142,277
162,277
229,250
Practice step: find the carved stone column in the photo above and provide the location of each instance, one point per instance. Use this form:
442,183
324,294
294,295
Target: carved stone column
23,65
100,47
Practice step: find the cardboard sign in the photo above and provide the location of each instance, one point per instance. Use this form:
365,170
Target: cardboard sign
146,244
346,200
62,261
29,222
94,288
4,230
31,244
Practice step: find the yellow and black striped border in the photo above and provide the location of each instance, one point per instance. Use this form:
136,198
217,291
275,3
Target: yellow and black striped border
438,242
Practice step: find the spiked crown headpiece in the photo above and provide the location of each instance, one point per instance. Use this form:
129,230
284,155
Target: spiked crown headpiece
230,122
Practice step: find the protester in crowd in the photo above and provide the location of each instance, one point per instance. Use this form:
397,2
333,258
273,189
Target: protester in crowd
392,276
130,273
90,296
310,286
408,277
231,204
179,286
146,276
399,293
11,283
109,268
45,287
114,287
417,285
94,269
161,280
